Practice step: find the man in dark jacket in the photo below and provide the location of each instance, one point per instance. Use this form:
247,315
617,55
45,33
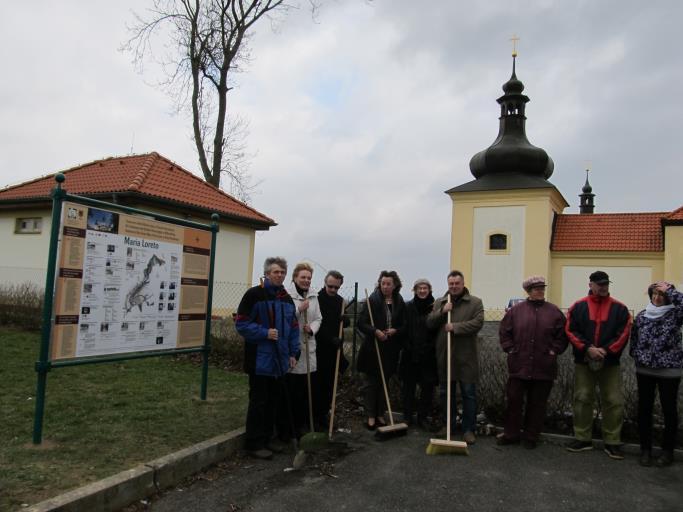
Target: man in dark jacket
328,341
532,335
266,319
598,328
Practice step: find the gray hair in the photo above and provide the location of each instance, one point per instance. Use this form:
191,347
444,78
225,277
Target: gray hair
274,260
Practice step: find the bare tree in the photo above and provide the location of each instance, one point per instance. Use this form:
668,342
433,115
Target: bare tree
208,45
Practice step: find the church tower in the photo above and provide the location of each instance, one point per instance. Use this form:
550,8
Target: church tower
503,219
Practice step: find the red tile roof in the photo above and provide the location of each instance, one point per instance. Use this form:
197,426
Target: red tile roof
633,232
675,215
149,175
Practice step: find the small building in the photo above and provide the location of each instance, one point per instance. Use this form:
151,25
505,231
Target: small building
149,182
509,222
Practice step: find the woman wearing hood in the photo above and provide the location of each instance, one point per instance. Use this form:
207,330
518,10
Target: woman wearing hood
389,316
658,354
309,318
418,359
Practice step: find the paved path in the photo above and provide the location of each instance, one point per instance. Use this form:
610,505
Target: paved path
397,475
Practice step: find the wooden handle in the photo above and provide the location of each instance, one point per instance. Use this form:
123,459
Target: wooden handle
448,378
336,373
379,359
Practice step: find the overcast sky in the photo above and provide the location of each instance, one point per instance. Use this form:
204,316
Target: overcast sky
362,118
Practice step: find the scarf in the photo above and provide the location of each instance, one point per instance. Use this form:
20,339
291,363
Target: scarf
423,306
654,312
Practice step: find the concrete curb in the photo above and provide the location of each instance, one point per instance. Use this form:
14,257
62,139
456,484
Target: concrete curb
117,491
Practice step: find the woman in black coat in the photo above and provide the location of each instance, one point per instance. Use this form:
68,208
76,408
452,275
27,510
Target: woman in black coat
418,360
389,315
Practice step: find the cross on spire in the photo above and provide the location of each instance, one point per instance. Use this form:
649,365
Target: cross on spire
514,40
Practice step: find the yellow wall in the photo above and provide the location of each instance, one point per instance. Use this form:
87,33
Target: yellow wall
539,206
632,290
673,256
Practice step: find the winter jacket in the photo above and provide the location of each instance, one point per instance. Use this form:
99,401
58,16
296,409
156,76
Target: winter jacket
532,334
261,308
330,308
419,348
389,349
656,342
311,316
468,317
601,322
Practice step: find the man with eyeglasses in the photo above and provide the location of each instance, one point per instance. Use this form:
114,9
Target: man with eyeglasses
327,341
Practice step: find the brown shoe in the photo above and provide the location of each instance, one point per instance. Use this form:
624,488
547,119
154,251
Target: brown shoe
469,437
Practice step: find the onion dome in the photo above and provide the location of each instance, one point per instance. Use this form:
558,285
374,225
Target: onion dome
511,152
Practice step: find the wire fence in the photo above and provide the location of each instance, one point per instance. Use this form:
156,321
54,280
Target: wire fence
21,306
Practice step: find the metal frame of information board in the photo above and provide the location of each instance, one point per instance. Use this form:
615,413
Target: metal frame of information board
44,364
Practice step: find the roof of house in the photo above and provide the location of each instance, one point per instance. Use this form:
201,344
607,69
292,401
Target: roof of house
150,176
676,215
632,232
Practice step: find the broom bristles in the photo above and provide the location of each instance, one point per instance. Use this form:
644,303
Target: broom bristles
444,447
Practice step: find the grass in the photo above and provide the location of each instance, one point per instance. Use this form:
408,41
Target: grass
102,418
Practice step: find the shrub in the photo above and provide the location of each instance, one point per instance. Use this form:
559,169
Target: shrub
21,305
227,346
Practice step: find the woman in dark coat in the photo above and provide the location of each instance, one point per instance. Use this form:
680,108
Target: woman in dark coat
389,315
418,359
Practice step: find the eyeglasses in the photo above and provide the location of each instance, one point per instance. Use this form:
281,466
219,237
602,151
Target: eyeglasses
332,287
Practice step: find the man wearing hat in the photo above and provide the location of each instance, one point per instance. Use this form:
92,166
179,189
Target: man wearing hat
532,335
598,328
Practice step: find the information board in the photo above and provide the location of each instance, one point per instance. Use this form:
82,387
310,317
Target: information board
127,283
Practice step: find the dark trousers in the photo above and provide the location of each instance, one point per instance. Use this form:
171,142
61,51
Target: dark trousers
297,386
412,377
322,399
668,397
373,395
264,395
526,421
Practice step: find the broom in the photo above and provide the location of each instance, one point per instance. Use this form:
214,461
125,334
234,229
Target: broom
393,429
312,440
336,373
446,446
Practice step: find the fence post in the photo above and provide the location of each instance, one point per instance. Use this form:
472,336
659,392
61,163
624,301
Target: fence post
355,319
209,309
43,364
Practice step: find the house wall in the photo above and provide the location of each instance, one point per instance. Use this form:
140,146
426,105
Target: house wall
673,255
526,216
630,273
24,256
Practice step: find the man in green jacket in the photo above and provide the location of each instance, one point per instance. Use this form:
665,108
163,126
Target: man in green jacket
467,319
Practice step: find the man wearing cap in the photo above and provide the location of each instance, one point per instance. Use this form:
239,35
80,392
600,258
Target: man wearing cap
532,335
598,328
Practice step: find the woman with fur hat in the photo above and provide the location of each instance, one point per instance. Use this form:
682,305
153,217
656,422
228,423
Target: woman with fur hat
658,354
418,358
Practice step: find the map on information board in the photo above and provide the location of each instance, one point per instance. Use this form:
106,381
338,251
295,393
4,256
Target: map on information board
127,283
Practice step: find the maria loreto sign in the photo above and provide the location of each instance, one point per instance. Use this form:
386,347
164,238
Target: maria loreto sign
127,283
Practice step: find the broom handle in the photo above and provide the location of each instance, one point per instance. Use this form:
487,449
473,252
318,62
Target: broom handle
336,371
448,378
379,360
308,374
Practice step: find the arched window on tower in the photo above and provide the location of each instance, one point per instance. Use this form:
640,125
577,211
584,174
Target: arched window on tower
498,242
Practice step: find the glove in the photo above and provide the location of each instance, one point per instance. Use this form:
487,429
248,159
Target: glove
336,343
